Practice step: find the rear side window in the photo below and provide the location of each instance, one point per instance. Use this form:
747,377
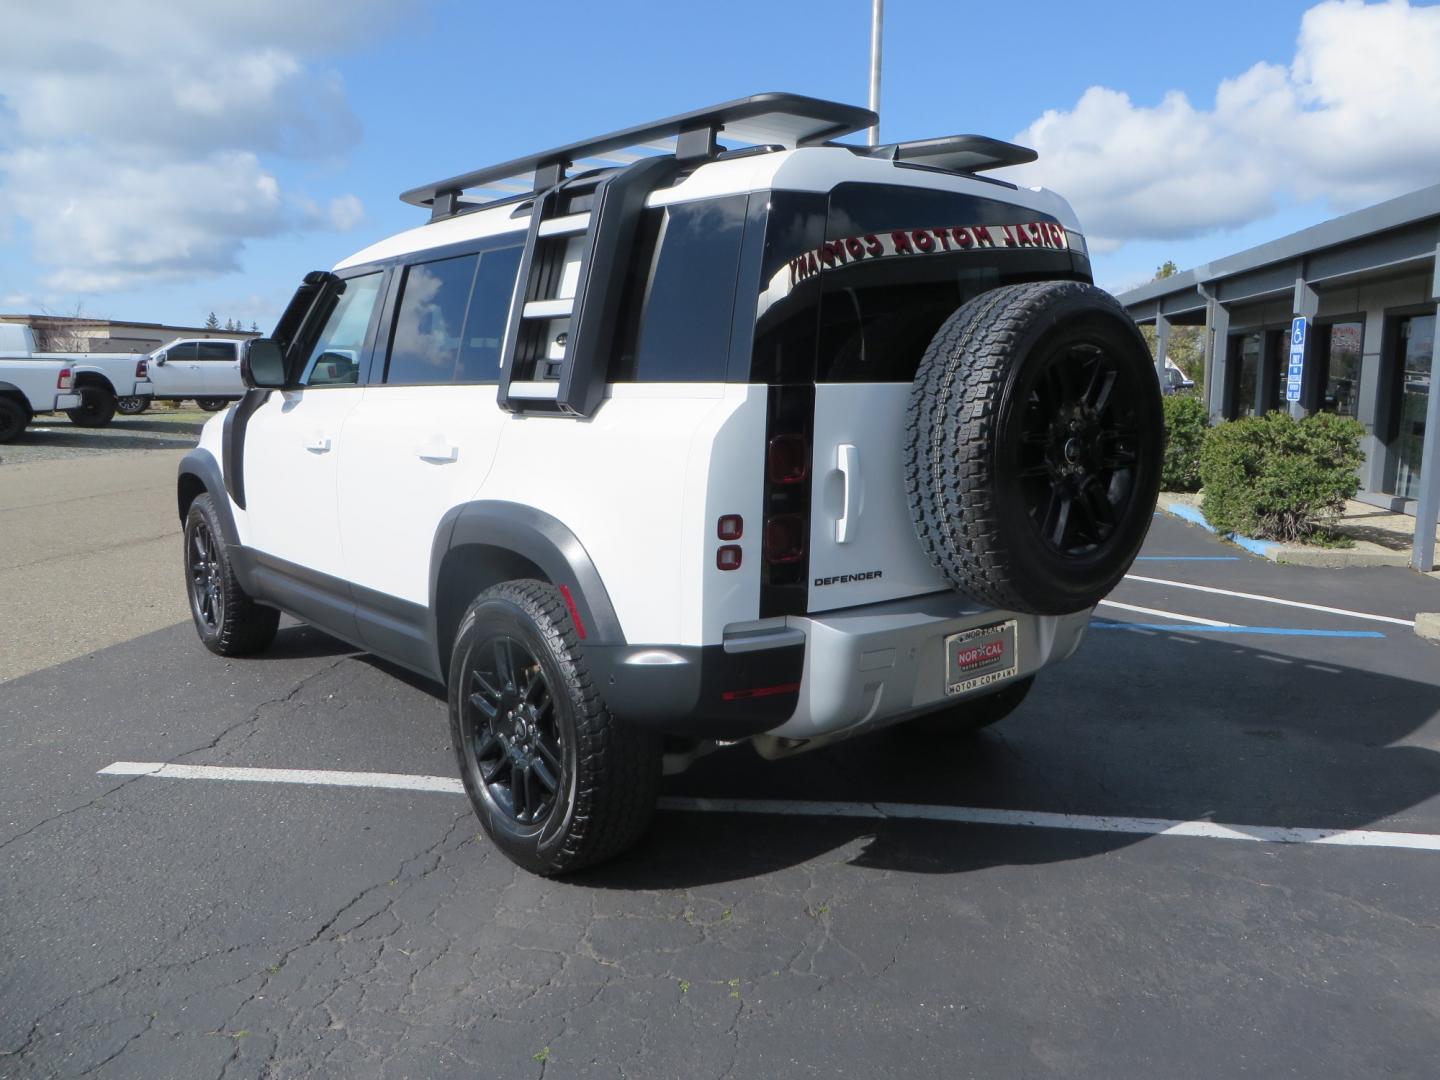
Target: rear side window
216,350
685,312
451,319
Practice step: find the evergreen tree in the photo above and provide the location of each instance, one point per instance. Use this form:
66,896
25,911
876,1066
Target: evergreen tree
212,321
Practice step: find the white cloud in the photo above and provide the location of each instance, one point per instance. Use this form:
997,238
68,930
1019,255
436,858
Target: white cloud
139,141
1352,120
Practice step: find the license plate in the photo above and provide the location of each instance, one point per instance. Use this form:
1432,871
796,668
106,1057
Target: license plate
979,657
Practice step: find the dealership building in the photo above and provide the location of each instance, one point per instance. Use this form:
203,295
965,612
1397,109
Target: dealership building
1367,286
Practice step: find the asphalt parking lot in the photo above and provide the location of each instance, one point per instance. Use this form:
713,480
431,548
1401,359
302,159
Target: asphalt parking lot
1206,846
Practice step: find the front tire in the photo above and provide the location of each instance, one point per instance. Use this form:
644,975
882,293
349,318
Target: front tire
96,409
557,782
228,620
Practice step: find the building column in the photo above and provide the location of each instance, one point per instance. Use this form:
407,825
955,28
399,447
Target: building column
1307,305
1217,358
1422,555
1162,345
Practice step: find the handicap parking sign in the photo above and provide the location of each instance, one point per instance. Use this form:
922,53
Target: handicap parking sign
1297,332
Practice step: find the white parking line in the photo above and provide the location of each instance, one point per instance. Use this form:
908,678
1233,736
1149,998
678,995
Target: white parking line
968,815
1271,600
1163,614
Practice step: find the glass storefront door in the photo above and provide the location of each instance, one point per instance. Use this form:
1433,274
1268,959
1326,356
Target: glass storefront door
1416,339
1247,373
1341,357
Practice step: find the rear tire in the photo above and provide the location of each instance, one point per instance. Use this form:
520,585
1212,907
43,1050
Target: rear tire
96,409
557,782
131,406
212,404
13,419
228,621
965,718
1033,449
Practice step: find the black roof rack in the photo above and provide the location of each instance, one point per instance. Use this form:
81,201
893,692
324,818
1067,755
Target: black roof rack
788,120
957,153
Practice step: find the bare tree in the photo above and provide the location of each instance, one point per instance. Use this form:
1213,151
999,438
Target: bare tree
59,331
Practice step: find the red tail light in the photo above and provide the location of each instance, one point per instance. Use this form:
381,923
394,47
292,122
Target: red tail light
730,527
788,459
65,380
142,369
784,538
728,557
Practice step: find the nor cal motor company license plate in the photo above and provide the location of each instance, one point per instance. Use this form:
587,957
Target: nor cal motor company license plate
979,657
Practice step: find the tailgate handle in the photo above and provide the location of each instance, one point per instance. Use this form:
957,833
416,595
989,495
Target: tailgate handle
847,459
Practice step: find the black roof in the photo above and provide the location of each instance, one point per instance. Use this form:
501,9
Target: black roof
786,119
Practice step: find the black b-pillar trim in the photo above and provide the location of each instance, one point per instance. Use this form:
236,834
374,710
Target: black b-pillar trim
233,442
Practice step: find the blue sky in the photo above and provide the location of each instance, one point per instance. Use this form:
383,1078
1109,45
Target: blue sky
285,146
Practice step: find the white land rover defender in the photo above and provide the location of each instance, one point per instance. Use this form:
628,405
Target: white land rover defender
765,438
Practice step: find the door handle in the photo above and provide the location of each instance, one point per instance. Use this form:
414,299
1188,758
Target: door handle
847,460
319,443
438,452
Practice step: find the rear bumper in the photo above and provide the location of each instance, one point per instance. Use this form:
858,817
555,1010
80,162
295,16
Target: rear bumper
66,401
804,677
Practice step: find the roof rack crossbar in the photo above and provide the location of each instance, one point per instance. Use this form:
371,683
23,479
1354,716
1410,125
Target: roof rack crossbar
788,120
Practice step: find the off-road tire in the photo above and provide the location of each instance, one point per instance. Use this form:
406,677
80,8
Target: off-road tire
243,626
974,406
610,771
133,405
14,416
965,718
212,404
96,409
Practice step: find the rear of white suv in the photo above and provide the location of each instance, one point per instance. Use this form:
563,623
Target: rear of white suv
778,444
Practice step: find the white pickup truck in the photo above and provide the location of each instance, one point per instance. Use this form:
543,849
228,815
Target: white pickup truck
101,380
30,387
206,369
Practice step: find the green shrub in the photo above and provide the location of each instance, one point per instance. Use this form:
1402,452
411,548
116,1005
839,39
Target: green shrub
1279,479
1185,425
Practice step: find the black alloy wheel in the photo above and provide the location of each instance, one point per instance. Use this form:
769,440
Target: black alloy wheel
205,577
1079,447
131,406
512,740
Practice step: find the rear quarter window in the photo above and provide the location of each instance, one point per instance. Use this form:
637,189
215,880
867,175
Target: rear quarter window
680,314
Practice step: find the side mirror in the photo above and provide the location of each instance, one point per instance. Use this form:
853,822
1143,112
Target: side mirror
160,360
262,364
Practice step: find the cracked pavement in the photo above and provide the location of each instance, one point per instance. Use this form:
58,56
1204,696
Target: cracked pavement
163,928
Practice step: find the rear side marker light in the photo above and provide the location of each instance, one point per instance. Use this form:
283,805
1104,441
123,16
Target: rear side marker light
574,612
728,557
784,538
65,380
787,460
730,527
760,691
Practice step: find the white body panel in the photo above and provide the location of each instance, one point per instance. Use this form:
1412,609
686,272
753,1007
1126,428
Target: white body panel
291,450
116,370
642,485
36,380
860,523
411,453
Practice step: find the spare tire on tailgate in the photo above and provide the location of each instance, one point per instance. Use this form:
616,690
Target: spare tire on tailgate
1033,447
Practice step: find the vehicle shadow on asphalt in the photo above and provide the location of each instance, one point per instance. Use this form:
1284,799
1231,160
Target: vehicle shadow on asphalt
1139,724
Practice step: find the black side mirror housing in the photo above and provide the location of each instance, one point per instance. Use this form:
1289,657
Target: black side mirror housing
262,364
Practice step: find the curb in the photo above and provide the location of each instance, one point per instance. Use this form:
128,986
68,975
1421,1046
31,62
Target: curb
1330,558
1427,625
